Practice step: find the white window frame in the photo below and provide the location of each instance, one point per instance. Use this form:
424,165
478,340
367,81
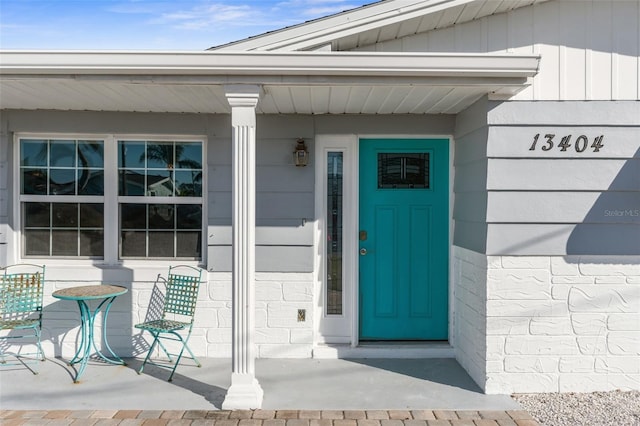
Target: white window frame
336,328
110,199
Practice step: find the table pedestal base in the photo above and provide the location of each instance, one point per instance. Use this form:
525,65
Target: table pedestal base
87,337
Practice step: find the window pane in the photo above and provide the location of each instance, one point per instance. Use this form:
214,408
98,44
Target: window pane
161,240
65,215
161,244
33,152
188,244
189,216
62,154
90,154
133,216
64,243
160,155
91,216
62,182
160,169
161,216
37,215
189,155
92,243
334,233
134,244
159,183
131,182
188,183
131,154
403,170
34,181
90,182
60,168
36,242
63,226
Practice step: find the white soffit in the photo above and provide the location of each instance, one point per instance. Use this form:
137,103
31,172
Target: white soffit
293,82
374,23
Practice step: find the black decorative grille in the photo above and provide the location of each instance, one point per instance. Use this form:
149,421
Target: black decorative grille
403,171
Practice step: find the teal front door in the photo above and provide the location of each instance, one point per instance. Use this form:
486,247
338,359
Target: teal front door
404,239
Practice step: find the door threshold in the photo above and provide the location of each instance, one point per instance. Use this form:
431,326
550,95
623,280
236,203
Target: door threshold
401,350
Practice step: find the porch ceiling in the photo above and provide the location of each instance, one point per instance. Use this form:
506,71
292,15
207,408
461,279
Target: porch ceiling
292,83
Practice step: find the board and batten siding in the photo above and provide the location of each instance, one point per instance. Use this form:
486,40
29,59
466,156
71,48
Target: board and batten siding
589,49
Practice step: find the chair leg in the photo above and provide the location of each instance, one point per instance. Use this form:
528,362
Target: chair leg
155,341
175,365
193,357
184,346
166,352
38,355
41,354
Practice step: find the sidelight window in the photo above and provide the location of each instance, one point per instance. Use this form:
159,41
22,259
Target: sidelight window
335,191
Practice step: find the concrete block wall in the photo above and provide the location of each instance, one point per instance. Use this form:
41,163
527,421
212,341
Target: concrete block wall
470,297
562,323
279,333
279,296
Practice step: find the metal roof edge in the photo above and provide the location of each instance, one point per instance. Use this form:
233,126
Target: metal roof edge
321,31
325,64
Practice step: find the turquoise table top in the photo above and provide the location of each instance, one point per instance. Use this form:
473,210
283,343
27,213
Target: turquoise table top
89,292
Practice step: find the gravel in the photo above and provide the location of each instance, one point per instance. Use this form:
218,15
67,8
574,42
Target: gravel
614,408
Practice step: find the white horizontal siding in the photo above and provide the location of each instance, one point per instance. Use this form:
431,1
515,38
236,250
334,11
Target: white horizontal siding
563,207
590,49
563,175
562,200
516,239
516,142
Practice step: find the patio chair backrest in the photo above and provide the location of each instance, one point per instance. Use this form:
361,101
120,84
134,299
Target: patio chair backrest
182,291
21,291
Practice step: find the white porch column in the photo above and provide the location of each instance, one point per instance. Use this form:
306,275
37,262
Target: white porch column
245,391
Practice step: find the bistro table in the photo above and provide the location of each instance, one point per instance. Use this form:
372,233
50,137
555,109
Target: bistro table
82,294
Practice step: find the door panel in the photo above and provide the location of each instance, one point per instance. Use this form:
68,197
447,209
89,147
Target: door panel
386,303
419,294
404,258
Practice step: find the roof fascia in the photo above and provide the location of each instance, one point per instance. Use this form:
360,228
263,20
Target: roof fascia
323,31
266,64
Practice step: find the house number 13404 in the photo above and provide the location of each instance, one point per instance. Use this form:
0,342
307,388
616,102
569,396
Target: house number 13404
580,144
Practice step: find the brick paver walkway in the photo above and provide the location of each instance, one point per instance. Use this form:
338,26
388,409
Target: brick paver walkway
269,418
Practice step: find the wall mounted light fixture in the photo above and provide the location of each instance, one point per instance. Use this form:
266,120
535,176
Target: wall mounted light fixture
300,154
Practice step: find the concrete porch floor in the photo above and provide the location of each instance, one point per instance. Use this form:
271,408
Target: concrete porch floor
288,384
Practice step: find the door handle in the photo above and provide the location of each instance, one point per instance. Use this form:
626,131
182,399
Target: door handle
363,251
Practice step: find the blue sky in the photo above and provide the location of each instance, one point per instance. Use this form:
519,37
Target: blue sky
151,24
